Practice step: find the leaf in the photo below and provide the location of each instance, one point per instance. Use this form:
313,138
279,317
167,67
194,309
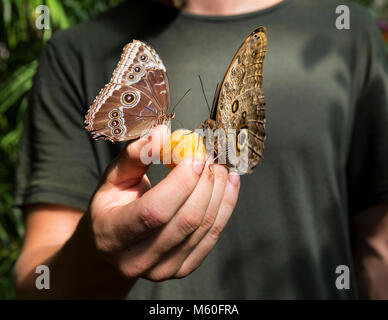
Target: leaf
17,85
7,11
58,14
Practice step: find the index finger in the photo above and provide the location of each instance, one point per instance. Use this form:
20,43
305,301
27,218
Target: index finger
158,205
128,167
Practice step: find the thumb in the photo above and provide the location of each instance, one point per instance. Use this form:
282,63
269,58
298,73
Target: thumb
130,165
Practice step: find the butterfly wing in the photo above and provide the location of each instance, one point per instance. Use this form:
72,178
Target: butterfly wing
239,103
134,99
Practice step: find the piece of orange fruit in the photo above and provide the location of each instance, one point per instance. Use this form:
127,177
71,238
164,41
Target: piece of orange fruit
182,144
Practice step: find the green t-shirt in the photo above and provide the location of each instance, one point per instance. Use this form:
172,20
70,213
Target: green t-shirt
325,157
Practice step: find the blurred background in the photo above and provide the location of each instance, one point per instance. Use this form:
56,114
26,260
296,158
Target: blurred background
20,45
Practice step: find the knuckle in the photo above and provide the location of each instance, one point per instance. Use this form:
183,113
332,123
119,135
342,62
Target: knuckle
215,231
185,185
208,221
152,217
189,222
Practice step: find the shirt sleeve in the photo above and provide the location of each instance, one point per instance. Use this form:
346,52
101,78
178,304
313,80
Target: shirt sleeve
57,159
367,167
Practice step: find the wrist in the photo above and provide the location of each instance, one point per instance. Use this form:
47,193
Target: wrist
99,268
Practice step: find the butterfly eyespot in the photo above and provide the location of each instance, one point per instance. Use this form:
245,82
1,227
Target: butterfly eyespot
131,77
137,69
128,98
244,114
114,123
117,131
242,139
235,106
255,53
143,57
114,114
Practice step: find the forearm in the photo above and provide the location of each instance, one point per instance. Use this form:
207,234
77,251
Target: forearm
372,272
77,271
370,244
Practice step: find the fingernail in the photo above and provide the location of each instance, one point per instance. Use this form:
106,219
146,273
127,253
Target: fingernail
198,166
234,178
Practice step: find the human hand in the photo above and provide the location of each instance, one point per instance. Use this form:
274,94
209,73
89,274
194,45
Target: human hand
166,231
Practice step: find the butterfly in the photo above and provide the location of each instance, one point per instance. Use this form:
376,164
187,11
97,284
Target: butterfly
238,111
136,98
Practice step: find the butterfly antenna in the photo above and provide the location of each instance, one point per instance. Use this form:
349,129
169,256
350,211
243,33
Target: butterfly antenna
215,91
214,99
203,92
173,109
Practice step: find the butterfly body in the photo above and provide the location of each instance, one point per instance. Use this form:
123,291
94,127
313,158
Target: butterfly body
135,99
239,105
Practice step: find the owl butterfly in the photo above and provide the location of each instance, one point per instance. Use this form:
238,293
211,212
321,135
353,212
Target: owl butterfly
135,99
238,113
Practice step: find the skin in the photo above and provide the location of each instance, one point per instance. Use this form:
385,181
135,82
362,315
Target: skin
226,7
130,231
370,242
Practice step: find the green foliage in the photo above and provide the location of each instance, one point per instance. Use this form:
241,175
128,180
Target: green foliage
20,45
368,3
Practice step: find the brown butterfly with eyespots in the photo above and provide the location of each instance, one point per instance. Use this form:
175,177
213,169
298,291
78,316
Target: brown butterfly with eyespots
136,98
238,113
